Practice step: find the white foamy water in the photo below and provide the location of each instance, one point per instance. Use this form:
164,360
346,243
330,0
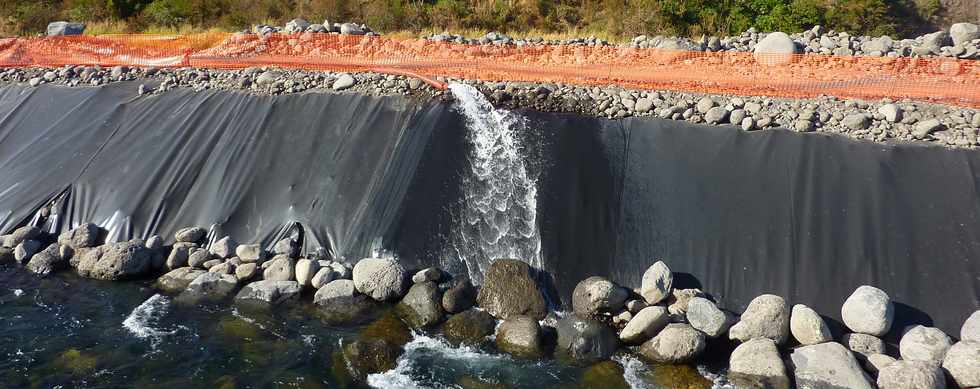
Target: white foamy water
499,218
632,368
423,346
144,321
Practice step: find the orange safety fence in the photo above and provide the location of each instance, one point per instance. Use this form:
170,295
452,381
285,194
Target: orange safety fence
938,79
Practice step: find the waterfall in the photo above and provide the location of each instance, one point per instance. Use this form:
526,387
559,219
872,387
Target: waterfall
499,214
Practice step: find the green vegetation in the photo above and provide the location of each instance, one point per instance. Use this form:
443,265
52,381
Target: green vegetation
605,18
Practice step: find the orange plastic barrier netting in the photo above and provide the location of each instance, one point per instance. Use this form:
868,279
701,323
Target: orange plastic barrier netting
936,79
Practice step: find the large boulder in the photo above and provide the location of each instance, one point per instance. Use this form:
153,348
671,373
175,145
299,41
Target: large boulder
807,326
383,279
962,363
270,292
460,296
827,366
777,48
520,336
376,349
963,33
49,260
584,340
340,303
706,317
208,287
471,327
296,25
869,311
657,283
21,234
85,235
767,316
757,364
911,375
62,28
422,306
921,343
280,268
224,248
645,325
26,249
509,289
190,234
971,327
175,281
179,255
305,271
596,295
250,252
676,343
118,261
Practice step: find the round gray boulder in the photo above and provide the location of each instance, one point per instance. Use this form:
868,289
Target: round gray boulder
208,287
280,268
911,375
921,343
757,364
190,234
657,283
827,365
460,296
596,295
224,248
119,261
305,271
382,279
869,311
863,344
520,336
807,326
705,316
85,235
777,48
767,316
676,343
962,363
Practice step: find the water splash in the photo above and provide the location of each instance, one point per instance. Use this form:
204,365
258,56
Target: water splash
410,370
633,368
143,320
499,217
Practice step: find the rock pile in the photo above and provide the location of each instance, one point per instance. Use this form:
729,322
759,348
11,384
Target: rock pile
299,25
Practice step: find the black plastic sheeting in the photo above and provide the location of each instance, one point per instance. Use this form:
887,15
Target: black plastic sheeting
808,217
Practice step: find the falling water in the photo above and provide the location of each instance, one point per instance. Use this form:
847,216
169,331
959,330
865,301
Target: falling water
499,216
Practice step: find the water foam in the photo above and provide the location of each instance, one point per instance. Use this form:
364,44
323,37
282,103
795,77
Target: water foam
499,217
143,320
423,346
632,368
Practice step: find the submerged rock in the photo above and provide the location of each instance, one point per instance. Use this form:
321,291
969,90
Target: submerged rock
471,327
509,289
605,375
677,343
757,364
521,336
339,303
460,296
270,291
383,279
585,340
377,348
422,306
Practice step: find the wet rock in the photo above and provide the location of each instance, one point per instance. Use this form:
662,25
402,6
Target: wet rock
509,289
77,362
340,303
460,296
911,375
705,316
869,311
596,295
246,272
270,292
584,340
863,344
224,248
520,336
962,363
119,261
676,343
381,278
470,327
422,306
827,365
250,253
175,281
208,287
25,250
757,364
971,328
921,343
190,234
678,376
305,270
85,235
807,326
657,283
645,325
281,268
377,348
766,317
432,274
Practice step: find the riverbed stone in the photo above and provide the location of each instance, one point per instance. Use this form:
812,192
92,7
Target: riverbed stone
757,364
197,257
807,326
323,276
863,344
223,268
657,283
26,249
827,366
596,295
250,252
678,300
422,306
224,248
208,287
645,325
777,48
246,271
962,363
288,247
584,340
509,289
271,292
339,303
460,296
85,235
306,269
179,254
676,343
706,317
971,327
48,261
383,279
211,263
190,234
376,348
432,274
178,279
119,261
281,268
470,327
921,343
911,375
767,316
21,234
520,336
869,311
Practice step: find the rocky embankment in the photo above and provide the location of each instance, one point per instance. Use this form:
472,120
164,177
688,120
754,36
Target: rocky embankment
880,121
776,344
